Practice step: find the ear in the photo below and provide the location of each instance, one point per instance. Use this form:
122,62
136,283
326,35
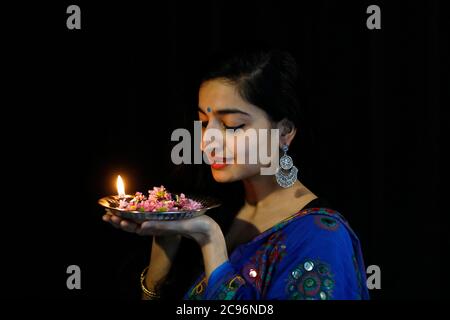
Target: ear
287,131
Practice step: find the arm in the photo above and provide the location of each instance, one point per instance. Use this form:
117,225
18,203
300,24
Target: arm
163,252
164,249
204,230
214,249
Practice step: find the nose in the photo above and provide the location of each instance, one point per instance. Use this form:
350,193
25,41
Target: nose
212,141
204,143
206,139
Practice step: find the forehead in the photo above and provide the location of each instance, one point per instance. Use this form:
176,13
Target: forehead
219,94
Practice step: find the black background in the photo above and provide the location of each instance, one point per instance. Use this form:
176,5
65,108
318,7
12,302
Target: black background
82,106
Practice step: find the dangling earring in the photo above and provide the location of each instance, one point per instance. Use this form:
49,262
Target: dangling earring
286,179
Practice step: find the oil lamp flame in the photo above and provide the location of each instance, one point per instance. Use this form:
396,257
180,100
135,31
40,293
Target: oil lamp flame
120,187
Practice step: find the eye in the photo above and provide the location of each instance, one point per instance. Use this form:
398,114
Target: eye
234,128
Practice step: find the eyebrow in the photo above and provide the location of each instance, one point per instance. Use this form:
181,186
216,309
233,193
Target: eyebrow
226,111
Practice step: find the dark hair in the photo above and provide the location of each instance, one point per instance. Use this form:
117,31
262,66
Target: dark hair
266,78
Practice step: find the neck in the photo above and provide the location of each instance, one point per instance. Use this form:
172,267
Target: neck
257,188
263,192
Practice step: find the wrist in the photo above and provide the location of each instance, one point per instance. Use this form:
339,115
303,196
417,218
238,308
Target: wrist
148,293
153,284
211,233
214,251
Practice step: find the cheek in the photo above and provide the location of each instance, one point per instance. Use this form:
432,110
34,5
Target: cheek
251,148
247,146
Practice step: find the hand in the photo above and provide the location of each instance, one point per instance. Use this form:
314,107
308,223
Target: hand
200,228
204,230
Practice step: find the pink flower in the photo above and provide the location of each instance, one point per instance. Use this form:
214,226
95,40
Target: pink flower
149,205
159,200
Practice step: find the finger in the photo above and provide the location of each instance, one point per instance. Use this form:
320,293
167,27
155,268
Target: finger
115,219
107,216
107,219
128,226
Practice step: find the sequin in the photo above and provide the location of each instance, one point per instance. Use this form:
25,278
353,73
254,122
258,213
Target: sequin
323,295
323,270
309,283
309,265
328,283
296,274
252,273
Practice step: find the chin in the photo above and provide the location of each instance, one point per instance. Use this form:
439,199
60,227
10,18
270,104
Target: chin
222,175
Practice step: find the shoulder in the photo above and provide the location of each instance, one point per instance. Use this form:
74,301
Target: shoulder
319,219
319,228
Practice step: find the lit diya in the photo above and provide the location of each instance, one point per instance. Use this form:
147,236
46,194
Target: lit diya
159,204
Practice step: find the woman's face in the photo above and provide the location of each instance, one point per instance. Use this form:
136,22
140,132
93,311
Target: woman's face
221,107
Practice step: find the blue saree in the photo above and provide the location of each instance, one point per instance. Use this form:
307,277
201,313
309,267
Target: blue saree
312,255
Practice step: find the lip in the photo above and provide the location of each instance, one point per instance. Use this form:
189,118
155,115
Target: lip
223,163
218,165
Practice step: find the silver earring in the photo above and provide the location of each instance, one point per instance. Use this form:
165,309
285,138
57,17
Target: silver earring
286,179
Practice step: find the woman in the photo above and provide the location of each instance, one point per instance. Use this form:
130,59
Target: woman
284,242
